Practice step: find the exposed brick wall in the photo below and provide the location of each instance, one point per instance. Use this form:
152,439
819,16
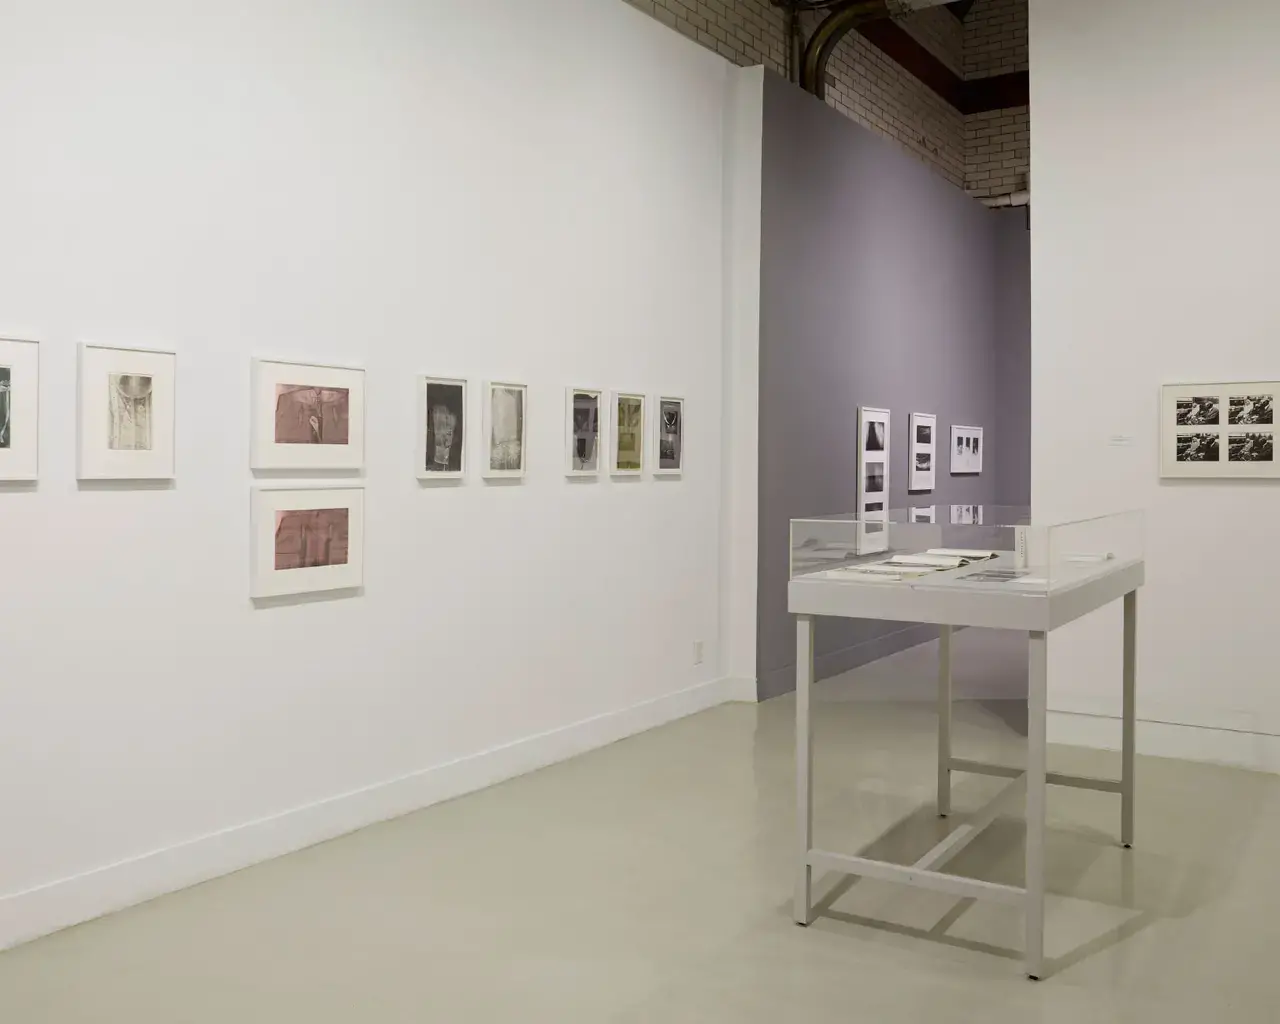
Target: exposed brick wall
873,90
747,32
997,143
997,152
995,38
941,33
864,84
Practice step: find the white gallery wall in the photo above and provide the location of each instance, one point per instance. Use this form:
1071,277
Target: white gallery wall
1153,260
509,190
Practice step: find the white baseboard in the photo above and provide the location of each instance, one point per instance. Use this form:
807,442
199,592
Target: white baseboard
28,915
1238,749
740,690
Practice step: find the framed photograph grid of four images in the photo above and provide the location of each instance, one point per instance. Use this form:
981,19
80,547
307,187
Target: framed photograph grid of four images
1219,430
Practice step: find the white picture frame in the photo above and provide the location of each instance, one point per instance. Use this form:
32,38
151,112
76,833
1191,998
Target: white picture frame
306,416
874,448
19,409
922,451
1219,430
627,441
443,423
506,430
584,417
270,575
873,462
924,514
125,413
668,436
967,448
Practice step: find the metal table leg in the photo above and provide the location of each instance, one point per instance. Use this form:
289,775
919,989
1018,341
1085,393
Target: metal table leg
944,722
804,769
1037,708
1127,745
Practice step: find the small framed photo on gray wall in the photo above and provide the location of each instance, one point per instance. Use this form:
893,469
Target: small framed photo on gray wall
921,450
966,450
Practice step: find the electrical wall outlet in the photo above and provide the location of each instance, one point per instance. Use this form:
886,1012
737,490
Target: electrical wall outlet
697,652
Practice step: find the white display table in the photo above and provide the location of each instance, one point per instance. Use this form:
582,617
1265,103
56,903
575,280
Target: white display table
1047,600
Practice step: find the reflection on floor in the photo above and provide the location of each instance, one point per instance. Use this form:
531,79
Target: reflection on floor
650,882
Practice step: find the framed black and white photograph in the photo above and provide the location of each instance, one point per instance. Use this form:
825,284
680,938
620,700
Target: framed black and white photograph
668,439
126,413
966,450
583,421
1251,410
924,514
873,477
1198,411
19,409
921,449
505,419
442,428
1197,446
1255,446
1218,430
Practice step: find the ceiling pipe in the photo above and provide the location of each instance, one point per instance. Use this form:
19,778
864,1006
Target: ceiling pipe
1022,198
897,8
845,16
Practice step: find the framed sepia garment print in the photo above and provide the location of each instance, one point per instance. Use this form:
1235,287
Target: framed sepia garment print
306,416
126,409
306,540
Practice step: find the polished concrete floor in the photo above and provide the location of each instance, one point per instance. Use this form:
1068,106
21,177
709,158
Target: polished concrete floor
650,882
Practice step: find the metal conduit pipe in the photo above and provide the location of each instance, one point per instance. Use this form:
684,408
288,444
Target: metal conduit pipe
845,16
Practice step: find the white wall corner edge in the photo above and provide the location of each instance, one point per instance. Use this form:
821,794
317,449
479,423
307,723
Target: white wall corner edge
1253,751
743,169
25,916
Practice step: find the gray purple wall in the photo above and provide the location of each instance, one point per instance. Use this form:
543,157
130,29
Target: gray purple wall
882,285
